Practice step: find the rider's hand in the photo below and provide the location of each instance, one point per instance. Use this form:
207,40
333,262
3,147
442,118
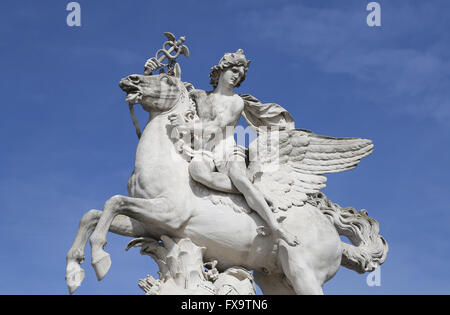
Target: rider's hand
151,65
176,120
210,132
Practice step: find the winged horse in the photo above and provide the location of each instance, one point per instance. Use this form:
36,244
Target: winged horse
164,200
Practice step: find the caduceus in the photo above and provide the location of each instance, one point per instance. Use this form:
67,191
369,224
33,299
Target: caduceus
170,46
171,50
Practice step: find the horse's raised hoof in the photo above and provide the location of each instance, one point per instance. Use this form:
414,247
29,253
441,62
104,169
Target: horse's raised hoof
101,263
74,276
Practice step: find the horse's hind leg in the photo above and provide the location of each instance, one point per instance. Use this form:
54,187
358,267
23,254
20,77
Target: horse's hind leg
273,284
302,277
157,212
121,225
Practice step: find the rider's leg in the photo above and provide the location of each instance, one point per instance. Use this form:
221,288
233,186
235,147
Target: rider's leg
158,212
255,200
202,172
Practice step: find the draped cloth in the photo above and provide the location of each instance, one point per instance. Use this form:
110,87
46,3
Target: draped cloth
261,117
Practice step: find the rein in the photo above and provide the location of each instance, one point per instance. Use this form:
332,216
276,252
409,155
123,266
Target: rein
135,121
133,115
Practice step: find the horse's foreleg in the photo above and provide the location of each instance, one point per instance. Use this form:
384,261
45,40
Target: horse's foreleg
154,212
121,225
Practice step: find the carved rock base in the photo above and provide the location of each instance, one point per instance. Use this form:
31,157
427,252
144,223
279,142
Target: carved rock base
182,270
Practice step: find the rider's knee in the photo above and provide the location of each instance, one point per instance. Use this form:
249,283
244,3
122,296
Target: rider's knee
238,176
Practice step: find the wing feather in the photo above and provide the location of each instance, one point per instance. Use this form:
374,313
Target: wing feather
293,162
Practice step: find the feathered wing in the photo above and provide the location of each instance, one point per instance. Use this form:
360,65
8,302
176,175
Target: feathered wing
288,164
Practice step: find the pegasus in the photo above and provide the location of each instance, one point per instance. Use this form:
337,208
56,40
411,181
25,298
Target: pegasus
164,200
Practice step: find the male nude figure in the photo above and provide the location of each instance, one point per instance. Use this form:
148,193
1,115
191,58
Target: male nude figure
218,114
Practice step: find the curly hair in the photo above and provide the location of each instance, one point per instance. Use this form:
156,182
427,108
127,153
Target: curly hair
229,60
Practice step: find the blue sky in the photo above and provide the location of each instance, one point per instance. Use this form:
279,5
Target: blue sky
68,143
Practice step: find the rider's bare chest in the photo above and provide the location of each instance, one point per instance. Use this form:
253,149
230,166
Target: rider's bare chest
222,107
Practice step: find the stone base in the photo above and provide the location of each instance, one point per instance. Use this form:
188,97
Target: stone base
182,270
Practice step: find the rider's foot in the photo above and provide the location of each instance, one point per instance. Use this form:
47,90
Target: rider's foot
263,231
271,203
289,238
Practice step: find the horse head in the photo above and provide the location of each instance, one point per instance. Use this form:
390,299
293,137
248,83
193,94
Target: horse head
156,93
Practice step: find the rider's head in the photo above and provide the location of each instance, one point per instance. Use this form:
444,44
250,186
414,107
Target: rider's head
229,60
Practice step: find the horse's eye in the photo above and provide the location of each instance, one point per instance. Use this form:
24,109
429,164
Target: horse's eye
167,79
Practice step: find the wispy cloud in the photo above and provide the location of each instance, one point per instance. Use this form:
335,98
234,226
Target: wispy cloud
119,56
405,62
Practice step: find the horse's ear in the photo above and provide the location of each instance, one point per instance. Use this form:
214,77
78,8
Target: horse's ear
177,71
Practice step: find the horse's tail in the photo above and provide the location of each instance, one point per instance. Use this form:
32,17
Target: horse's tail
369,249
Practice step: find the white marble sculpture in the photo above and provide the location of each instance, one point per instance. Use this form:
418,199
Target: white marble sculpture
254,209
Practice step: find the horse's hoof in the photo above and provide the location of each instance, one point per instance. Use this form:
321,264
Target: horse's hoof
101,264
74,276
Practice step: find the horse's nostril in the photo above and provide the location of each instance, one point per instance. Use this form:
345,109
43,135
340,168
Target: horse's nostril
122,83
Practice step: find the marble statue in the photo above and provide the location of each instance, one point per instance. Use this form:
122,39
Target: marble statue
197,199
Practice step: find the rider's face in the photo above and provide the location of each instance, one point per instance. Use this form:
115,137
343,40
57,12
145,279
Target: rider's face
231,76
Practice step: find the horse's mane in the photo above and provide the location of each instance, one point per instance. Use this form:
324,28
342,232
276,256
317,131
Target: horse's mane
370,249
